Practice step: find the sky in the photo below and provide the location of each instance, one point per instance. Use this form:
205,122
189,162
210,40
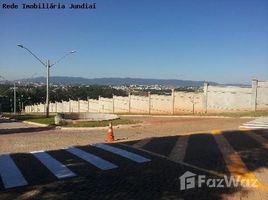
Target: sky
225,41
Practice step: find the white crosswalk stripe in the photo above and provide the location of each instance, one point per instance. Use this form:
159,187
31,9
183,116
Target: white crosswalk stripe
179,149
58,169
92,159
126,154
10,174
260,123
142,143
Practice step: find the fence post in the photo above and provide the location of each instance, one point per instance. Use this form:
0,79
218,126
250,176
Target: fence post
129,102
173,101
78,105
193,102
70,106
205,100
99,104
254,85
113,104
87,104
149,102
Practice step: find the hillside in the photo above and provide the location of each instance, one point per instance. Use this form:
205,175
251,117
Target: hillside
63,80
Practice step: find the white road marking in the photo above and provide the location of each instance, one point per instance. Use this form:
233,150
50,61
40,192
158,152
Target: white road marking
94,160
126,154
142,143
236,166
57,168
179,149
260,123
261,140
10,174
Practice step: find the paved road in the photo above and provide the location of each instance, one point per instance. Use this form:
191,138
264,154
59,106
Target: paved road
96,172
151,168
27,138
234,153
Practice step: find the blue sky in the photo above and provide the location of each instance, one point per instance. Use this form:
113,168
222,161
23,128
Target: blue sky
215,40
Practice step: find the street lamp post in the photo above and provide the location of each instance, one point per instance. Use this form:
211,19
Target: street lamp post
48,66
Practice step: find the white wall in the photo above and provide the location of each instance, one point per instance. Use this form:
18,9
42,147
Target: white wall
262,95
213,99
228,99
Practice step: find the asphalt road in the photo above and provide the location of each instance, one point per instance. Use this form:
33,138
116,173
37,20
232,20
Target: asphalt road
149,168
154,179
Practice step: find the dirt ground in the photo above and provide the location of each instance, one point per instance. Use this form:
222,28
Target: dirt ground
18,137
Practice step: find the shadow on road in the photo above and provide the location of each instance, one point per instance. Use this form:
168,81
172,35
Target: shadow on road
21,128
25,130
203,151
3,120
158,179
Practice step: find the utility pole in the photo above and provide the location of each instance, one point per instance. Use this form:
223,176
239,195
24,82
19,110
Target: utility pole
47,97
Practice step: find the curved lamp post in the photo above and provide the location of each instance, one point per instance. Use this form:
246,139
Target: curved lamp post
48,66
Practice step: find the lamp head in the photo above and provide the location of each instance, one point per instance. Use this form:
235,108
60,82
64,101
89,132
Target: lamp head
72,51
20,45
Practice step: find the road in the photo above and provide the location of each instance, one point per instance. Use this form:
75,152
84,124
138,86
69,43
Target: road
145,168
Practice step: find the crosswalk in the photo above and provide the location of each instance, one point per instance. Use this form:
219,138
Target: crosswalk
214,152
57,168
260,123
92,159
13,175
132,156
179,149
10,174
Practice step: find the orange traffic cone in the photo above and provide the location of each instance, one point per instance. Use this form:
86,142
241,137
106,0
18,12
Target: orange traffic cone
110,134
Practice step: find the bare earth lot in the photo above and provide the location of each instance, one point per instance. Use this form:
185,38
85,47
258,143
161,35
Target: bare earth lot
18,137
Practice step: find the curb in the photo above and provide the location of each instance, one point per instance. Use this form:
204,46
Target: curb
96,128
176,116
37,124
80,128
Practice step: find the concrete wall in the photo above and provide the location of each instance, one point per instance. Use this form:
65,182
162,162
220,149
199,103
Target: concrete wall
105,105
121,104
230,99
262,95
139,104
226,99
188,102
213,99
161,104
83,106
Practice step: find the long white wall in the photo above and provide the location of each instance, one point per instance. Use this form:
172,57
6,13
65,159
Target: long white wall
213,99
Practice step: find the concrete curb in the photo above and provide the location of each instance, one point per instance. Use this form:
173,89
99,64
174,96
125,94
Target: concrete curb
97,128
34,123
80,128
191,116
176,116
